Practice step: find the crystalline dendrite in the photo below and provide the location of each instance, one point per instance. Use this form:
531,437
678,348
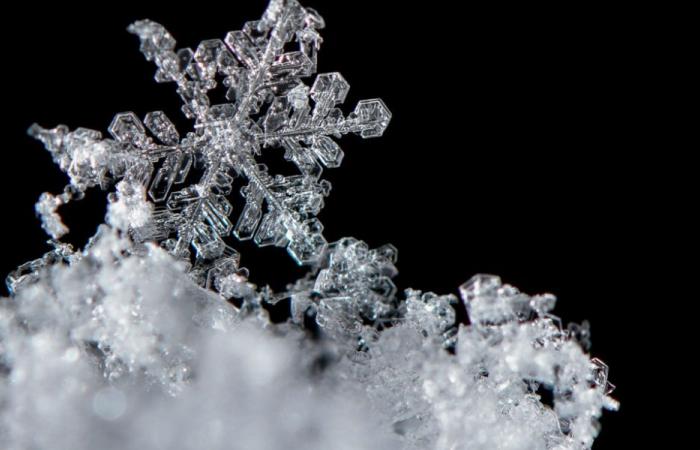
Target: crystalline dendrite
130,343
262,69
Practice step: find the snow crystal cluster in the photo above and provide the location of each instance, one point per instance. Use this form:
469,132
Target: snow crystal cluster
152,336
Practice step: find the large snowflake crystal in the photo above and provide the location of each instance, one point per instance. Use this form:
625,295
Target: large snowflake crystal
132,342
262,68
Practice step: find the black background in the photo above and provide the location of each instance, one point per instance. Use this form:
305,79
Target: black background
509,150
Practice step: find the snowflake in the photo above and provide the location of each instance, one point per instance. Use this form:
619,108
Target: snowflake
261,68
148,353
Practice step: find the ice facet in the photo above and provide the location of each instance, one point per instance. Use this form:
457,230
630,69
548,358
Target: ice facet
160,125
127,128
373,117
330,87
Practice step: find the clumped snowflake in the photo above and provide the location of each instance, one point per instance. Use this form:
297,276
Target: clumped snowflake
131,342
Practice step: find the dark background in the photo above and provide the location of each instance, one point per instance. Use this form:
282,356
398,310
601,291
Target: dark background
509,151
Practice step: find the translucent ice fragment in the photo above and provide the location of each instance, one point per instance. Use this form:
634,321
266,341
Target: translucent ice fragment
327,151
154,38
277,115
127,128
164,178
251,215
207,242
328,90
183,198
160,125
430,312
292,64
215,211
302,158
212,56
243,47
306,249
372,118
485,305
270,231
330,87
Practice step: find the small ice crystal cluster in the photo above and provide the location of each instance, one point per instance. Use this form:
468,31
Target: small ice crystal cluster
152,336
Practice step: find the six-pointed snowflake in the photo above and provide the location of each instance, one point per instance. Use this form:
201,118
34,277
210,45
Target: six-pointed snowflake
261,68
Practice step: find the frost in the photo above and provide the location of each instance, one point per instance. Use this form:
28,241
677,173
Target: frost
140,357
152,336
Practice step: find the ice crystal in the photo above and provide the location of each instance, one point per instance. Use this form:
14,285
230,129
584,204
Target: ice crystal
131,342
262,68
